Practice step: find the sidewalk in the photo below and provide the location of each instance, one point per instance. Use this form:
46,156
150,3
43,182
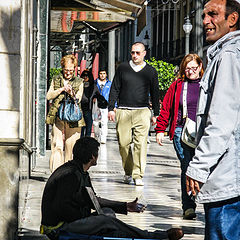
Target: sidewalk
161,191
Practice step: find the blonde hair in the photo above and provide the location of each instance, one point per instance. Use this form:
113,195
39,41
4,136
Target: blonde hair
188,58
69,58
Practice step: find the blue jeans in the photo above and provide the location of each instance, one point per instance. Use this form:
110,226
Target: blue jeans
222,220
86,131
184,154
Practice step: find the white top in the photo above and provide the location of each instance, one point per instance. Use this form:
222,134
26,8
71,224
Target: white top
65,83
135,67
101,83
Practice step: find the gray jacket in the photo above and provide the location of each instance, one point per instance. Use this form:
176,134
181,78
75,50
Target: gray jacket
217,157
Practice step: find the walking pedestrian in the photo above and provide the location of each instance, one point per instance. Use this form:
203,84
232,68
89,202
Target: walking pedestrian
132,84
190,73
104,85
89,96
213,176
64,134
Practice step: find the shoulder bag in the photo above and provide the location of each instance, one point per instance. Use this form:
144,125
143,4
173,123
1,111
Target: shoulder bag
96,113
69,110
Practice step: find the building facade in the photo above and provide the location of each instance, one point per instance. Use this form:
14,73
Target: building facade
168,36
16,104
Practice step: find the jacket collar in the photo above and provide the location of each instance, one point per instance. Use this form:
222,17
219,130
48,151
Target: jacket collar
218,45
179,80
78,165
99,79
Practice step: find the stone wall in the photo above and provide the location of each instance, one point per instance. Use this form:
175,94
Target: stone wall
15,107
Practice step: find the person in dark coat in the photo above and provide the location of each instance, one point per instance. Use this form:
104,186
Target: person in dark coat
90,93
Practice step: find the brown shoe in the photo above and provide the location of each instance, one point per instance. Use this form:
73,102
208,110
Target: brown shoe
175,233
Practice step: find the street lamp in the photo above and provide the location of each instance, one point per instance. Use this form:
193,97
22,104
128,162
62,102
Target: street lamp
146,42
187,27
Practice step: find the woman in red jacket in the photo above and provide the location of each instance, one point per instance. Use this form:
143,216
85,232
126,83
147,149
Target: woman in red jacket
191,71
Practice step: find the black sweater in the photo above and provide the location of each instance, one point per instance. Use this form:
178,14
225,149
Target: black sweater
65,198
132,89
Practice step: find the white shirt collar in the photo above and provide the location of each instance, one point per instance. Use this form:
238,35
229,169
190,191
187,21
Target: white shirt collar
135,67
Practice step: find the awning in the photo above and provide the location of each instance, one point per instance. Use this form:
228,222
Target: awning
71,17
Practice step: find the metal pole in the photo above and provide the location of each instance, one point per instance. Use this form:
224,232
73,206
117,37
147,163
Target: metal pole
111,55
187,34
187,43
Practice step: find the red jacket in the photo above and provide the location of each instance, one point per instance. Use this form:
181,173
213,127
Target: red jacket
169,110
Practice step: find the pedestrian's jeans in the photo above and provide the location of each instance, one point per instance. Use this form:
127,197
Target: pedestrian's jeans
86,131
222,220
184,154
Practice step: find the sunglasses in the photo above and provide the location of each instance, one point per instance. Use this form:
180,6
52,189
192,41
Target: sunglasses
137,52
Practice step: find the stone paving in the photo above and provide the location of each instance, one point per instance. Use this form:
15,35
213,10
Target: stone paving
161,191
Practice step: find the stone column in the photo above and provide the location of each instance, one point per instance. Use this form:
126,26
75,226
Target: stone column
42,75
15,106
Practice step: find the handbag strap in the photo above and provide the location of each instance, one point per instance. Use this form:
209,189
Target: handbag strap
185,113
67,96
74,94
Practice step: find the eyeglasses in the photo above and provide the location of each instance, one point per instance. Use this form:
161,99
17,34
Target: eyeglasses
68,70
194,69
137,52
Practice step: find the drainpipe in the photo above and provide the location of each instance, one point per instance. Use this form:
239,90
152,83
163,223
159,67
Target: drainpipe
34,98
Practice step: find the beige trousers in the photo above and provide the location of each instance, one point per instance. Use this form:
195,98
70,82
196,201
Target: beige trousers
133,127
62,133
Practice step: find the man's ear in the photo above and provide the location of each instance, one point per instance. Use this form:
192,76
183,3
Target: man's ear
233,18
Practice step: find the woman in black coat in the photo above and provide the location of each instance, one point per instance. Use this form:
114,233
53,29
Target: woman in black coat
90,93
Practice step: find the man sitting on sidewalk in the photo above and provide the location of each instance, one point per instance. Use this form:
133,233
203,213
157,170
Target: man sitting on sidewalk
67,202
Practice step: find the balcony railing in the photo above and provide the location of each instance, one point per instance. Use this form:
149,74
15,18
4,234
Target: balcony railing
172,51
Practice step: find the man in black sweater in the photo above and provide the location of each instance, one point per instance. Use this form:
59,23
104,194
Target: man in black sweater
67,205
132,85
